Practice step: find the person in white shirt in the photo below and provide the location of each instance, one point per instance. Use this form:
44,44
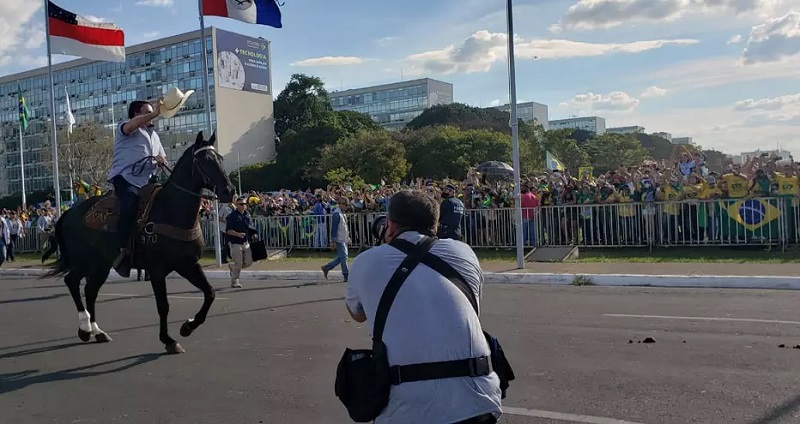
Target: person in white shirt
17,232
5,239
43,225
429,321
340,237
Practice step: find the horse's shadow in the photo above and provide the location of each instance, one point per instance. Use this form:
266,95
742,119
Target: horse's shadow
14,381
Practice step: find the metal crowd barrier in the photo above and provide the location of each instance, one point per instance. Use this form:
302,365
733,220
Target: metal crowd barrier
730,222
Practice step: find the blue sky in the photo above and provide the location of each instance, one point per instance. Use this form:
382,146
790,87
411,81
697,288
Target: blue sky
722,71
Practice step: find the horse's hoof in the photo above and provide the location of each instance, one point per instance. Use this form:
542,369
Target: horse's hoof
174,348
186,329
102,338
84,335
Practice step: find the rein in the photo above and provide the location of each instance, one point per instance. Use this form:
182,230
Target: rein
141,163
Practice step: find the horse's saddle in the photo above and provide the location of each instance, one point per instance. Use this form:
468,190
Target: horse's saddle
104,214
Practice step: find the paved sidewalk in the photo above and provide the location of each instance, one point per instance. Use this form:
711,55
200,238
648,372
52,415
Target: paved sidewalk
655,269
747,269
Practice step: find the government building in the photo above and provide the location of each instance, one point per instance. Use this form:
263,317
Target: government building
394,105
100,92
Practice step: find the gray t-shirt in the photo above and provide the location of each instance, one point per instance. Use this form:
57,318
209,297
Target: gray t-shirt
131,148
430,321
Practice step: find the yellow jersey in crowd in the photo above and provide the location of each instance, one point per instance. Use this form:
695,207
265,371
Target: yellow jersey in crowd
737,186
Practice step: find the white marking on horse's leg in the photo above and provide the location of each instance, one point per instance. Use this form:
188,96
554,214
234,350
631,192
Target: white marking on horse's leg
96,329
83,321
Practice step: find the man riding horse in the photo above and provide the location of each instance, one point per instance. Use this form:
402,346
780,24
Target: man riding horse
134,141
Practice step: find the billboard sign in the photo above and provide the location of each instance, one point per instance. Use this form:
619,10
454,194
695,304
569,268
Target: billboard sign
242,63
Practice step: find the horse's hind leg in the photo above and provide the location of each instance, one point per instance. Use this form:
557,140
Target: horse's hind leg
94,281
73,282
194,273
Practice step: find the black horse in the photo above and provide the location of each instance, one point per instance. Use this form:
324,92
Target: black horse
168,239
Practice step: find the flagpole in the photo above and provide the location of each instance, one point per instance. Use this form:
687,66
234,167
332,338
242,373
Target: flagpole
209,127
239,169
512,88
54,144
22,166
70,151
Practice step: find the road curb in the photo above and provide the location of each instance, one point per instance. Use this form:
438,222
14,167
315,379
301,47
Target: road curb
541,279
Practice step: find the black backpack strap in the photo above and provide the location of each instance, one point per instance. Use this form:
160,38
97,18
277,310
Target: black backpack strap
393,286
439,265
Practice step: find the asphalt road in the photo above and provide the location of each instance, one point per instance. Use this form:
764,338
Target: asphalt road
268,354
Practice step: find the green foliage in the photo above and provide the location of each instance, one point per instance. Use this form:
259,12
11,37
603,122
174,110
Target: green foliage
560,144
608,151
342,176
447,152
371,155
303,102
658,148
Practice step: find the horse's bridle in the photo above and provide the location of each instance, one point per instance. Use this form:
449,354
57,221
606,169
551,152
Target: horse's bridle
195,166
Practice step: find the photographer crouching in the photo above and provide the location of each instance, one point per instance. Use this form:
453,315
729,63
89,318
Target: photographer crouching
431,362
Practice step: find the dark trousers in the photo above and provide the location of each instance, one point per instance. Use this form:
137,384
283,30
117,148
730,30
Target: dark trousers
482,419
226,249
10,247
128,202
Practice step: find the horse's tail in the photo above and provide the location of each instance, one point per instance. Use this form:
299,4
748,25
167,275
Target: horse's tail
62,266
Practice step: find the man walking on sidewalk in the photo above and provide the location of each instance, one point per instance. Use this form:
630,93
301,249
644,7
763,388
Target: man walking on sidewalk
339,239
239,230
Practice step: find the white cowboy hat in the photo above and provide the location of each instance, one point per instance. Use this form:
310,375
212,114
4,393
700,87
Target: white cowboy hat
173,101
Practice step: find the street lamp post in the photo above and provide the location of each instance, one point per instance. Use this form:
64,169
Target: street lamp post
512,89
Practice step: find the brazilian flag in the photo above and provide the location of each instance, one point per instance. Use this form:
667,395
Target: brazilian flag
750,219
23,109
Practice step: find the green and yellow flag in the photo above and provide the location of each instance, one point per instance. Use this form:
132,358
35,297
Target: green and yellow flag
750,218
553,163
23,109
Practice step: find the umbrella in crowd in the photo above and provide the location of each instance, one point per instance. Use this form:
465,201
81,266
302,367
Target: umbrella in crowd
495,168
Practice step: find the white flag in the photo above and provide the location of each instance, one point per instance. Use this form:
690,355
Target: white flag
70,116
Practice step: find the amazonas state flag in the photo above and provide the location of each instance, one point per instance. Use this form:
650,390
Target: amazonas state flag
76,35
261,12
753,214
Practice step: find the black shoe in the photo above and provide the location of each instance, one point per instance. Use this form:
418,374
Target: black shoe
122,265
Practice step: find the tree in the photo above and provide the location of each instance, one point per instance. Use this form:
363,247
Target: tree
565,149
447,152
87,153
608,151
370,155
303,102
464,117
659,148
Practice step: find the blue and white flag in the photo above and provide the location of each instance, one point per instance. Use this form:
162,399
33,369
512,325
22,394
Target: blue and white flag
261,12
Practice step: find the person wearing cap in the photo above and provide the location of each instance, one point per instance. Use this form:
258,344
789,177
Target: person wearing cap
239,229
451,213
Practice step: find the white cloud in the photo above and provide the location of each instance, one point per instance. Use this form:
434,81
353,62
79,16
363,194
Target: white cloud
773,103
774,40
330,61
15,34
156,3
721,71
385,41
484,48
495,102
653,91
736,39
97,19
616,101
151,34
591,14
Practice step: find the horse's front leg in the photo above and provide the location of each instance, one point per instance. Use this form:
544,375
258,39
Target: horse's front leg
194,273
158,281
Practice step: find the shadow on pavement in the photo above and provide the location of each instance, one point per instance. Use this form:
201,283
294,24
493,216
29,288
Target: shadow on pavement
782,411
44,349
139,327
34,299
216,290
19,380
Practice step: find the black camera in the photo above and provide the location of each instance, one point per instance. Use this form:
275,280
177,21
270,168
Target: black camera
378,228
